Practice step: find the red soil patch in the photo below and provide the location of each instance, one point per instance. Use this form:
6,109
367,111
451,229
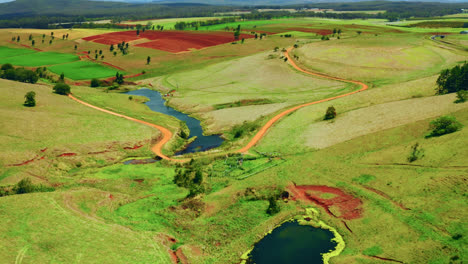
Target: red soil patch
113,66
173,256
44,150
348,206
26,46
134,147
386,259
67,155
171,41
322,32
180,255
23,163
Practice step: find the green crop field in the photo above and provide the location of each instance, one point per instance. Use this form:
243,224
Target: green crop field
10,52
84,70
39,59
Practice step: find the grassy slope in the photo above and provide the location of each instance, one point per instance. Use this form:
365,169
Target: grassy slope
44,228
232,81
83,70
39,59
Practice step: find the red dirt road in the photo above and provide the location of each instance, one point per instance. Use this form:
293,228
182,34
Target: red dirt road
260,134
157,149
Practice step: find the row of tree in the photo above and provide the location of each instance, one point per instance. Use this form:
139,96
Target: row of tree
7,71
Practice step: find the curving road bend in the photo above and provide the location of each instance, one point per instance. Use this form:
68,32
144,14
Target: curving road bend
157,149
261,133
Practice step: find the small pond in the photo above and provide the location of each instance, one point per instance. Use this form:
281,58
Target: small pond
202,143
292,243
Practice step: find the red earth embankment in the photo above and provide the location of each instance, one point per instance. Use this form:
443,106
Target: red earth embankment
334,201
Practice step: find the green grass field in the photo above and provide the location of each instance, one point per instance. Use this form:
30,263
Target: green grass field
40,59
83,70
10,52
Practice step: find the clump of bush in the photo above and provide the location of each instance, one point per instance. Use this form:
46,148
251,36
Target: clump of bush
453,80
24,186
246,127
444,125
330,114
95,83
416,153
62,88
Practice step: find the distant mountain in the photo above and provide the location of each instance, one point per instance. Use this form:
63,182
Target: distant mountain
272,2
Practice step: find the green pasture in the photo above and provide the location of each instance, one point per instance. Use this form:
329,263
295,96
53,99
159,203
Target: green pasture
83,70
168,23
10,52
298,34
39,59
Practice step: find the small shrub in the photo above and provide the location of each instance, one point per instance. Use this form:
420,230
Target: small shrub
95,83
273,207
462,96
444,125
61,88
416,153
330,114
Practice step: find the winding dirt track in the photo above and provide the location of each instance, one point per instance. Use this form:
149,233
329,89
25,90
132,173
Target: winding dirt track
270,123
167,134
157,149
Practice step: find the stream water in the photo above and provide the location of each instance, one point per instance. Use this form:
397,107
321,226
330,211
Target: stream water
202,143
292,243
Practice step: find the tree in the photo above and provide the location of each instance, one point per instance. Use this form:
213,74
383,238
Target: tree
119,78
33,42
95,56
111,47
273,207
100,52
359,32
24,186
462,96
138,32
18,39
30,99
61,88
6,66
76,47
50,42
330,114
30,37
102,57
148,60
95,83
444,125
62,77
115,53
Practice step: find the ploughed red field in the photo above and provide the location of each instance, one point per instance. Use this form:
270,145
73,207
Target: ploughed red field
171,41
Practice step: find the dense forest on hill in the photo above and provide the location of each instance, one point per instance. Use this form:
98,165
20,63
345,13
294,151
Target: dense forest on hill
41,13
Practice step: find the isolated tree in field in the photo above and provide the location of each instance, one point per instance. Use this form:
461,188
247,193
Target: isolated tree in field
115,53
66,36
334,31
138,32
111,47
62,77
126,45
30,99
100,52
76,47
102,57
13,39
18,39
444,125
50,42
148,60
30,37
359,32
43,36
33,42
51,33
330,114
273,207
63,37
42,41
339,31
95,56
89,52
95,83
61,88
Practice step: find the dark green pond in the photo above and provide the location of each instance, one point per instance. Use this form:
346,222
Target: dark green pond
292,243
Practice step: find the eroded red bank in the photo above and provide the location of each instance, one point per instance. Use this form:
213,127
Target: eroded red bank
335,201
171,41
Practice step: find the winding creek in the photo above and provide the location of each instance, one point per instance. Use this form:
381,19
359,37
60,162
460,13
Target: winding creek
201,143
293,243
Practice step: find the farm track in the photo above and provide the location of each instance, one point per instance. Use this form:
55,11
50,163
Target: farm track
260,134
157,149
167,134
